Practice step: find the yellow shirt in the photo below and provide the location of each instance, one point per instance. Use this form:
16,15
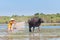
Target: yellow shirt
9,24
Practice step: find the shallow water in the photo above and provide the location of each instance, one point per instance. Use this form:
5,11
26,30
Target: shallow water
50,27
4,26
31,36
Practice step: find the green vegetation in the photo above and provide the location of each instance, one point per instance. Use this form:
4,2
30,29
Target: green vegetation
48,18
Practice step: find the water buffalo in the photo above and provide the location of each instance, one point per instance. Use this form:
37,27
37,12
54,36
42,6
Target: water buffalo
34,22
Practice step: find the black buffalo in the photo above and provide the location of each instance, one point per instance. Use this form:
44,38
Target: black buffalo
34,22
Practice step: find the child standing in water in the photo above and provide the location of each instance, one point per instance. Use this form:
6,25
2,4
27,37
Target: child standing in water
11,24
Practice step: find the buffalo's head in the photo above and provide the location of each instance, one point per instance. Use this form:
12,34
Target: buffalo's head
40,20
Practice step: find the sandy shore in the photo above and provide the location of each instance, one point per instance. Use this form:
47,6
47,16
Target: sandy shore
43,24
20,25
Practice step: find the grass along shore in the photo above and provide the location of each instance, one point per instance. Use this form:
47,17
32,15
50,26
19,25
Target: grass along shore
50,24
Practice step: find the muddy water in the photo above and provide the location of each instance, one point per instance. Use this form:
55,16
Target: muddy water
31,36
25,35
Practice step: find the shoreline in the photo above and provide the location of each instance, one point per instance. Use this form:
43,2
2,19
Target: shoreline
42,24
50,24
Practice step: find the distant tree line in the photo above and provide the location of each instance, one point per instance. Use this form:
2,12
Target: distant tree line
48,18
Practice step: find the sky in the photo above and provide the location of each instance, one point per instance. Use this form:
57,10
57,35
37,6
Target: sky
28,7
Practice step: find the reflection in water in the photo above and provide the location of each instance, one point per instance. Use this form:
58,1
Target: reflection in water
10,38
34,36
31,36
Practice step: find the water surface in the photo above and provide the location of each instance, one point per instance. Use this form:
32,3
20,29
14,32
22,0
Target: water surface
32,36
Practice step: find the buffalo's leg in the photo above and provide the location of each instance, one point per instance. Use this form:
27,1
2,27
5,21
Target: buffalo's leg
39,28
29,28
33,29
